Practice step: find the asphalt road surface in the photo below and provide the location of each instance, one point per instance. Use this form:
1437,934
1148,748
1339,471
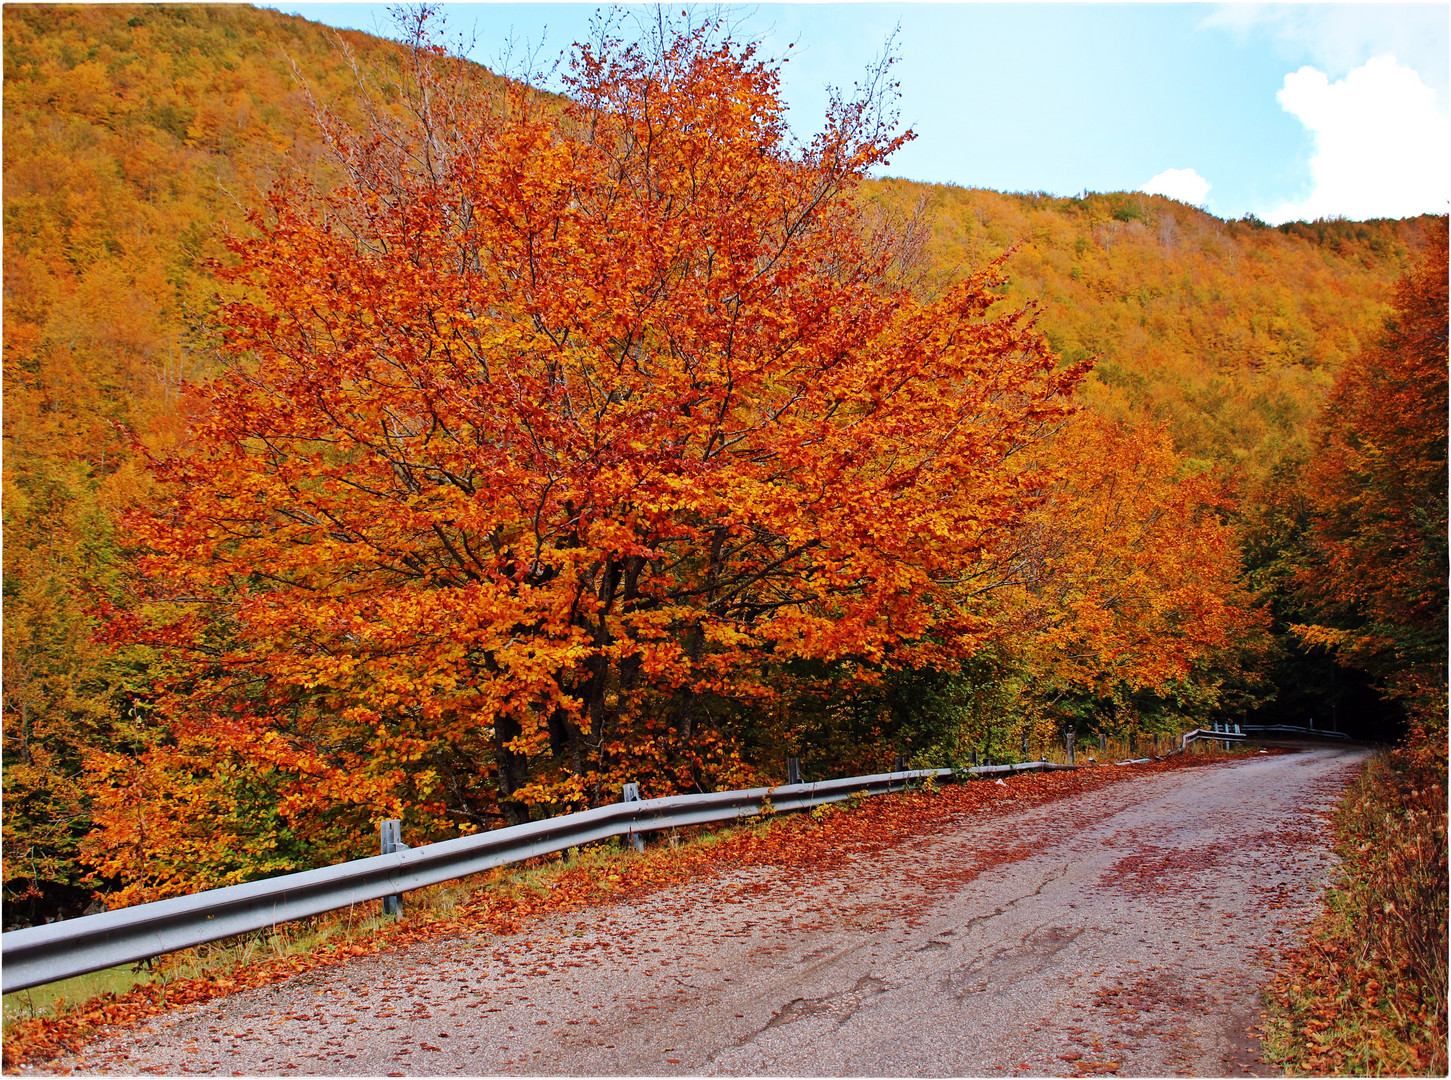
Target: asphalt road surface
1129,933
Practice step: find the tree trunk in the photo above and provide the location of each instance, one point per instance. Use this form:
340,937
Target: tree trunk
513,770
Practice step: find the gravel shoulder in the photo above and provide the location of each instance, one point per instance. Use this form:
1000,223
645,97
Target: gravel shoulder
1126,931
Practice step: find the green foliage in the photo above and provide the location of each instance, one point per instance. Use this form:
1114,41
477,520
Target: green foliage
927,716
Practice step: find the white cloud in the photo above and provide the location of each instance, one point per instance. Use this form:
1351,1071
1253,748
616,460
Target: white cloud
1186,185
1382,148
1340,36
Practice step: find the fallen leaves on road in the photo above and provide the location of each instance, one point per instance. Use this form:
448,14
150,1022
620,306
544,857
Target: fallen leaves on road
504,906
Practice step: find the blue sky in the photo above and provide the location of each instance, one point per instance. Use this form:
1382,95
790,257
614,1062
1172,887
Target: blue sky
1284,111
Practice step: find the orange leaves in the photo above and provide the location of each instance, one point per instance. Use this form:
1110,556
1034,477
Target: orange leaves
1135,576
553,434
1377,490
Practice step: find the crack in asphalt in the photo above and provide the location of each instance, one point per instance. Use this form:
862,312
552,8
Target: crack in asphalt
826,961
973,923
866,988
1038,946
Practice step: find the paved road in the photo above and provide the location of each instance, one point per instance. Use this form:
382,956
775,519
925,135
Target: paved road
1124,931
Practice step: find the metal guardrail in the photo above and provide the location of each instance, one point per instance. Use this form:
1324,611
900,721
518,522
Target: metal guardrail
1226,732
1291,729
41,954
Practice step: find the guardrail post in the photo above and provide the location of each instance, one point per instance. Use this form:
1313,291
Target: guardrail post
389,839
899,764
974,757
631,793
1070,739
1102,743
793,770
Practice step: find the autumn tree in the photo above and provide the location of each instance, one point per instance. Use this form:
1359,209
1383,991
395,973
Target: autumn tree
1123,613
555,431
1377,573
1135,617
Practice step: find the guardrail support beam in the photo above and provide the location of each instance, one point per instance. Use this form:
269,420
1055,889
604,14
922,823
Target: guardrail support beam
390,839
631,793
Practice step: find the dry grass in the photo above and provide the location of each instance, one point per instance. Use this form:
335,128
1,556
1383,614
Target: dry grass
1367,994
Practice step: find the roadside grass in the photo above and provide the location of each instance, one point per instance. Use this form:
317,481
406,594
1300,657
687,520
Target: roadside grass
60,1016
56,998
1366,995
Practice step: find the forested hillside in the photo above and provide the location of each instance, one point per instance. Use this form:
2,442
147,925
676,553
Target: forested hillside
1042,569
132,136
1229,331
